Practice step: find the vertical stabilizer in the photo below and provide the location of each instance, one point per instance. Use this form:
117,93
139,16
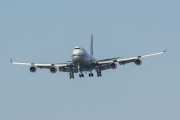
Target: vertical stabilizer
91,47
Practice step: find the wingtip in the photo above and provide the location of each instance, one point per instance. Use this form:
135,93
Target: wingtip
165,50
11,60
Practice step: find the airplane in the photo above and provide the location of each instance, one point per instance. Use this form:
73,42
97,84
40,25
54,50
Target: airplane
82,61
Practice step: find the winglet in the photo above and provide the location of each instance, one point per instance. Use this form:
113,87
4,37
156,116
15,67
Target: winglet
165,50
11,60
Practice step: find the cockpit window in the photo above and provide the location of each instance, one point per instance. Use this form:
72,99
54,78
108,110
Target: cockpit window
77,48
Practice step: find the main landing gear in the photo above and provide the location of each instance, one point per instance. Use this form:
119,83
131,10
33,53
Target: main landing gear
71,75
81,75
90,74
99,74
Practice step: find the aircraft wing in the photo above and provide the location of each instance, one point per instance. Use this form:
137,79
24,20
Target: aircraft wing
42,65
122,61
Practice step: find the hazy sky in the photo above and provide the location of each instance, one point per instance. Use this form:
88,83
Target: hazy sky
45,31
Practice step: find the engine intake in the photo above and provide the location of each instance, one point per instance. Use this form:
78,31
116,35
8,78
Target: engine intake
53,70
33,69
138,62
113,65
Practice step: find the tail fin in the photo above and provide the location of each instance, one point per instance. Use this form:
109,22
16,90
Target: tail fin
91,47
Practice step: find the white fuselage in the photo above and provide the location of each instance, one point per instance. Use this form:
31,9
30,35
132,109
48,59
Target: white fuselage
81,58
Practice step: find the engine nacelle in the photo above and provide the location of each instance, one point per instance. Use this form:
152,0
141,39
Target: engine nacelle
33,69
113,65
53,70
138,62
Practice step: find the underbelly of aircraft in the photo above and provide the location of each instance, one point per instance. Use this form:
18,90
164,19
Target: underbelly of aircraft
79,60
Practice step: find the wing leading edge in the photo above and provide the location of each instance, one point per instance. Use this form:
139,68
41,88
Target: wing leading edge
42,64
133,59
123,61
63,67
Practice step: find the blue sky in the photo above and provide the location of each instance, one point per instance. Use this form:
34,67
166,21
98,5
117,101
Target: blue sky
45,31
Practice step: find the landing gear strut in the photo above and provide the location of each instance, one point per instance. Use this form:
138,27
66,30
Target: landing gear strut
71,75
99,74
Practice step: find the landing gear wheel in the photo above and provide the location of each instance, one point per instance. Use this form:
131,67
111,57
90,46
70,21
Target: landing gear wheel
99,74
71,75
90,74
81,75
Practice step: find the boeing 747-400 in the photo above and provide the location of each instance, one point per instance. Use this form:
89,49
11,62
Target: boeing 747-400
82,61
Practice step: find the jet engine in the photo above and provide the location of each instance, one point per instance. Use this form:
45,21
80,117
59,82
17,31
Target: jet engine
53,70
113,65
138,62
33,69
